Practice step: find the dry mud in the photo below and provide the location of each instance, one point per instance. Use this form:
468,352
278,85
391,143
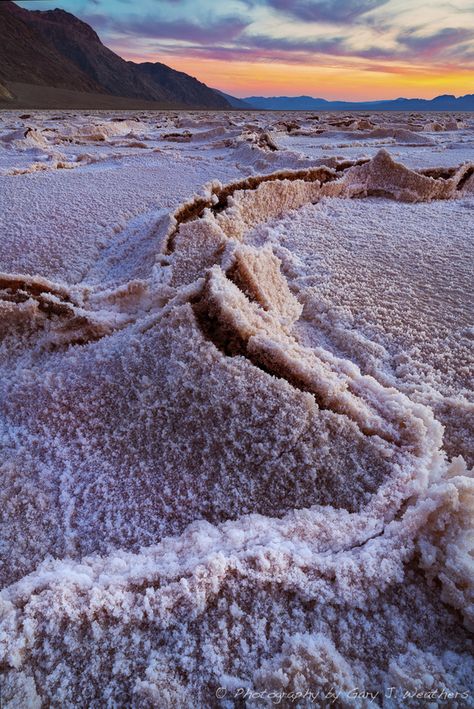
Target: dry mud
236,410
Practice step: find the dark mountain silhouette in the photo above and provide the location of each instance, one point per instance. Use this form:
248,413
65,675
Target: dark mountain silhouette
57,50
235,102
307,103
24,57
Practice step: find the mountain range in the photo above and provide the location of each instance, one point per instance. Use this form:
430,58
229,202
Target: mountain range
446,102
52,59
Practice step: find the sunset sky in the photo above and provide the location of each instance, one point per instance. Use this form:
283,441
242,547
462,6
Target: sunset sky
335,49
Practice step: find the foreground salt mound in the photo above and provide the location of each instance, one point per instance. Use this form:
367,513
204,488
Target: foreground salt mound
384,177
330,539
400,306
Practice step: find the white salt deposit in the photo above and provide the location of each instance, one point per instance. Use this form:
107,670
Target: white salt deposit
235,410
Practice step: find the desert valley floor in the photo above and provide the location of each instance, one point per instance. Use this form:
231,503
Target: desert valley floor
236,409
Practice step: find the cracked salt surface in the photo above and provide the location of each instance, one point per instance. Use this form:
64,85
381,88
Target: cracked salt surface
224,463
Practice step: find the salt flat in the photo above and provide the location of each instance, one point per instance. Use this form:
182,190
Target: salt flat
236,408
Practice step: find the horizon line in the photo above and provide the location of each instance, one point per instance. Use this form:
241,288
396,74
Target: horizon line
341,100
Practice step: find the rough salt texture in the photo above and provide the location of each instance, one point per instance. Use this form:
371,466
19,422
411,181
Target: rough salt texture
235,426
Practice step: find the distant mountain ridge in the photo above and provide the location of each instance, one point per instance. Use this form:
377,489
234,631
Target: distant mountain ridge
55,49
446,102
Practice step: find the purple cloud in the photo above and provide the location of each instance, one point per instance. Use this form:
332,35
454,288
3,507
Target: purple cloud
435,43
267,50
339,11
225,29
